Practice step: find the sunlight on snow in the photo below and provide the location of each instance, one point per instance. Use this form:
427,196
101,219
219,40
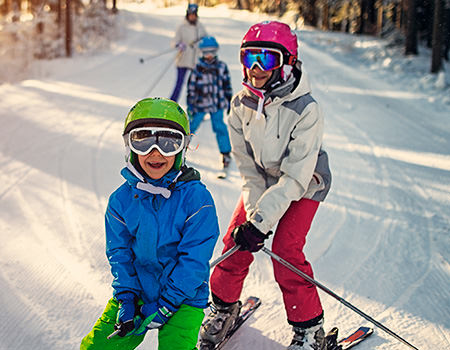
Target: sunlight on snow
379,93
76,90
432,160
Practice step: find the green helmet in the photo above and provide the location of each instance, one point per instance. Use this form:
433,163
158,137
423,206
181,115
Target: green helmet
157,110
163,112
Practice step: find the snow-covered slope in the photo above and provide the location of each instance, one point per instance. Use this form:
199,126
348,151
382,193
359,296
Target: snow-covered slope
381,240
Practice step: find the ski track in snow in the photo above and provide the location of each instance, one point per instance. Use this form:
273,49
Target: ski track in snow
380,240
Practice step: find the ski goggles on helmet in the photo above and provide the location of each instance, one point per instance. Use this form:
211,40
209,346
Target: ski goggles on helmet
167,141
265,58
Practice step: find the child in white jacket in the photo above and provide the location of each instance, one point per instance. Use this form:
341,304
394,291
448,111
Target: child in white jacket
276,130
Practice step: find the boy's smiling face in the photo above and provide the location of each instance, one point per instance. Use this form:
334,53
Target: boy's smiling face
155,164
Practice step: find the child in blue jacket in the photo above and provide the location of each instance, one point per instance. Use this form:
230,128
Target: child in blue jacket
161,229
209,91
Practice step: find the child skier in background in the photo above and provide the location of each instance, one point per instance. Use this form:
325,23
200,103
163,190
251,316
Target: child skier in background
161,229
209,91
276,130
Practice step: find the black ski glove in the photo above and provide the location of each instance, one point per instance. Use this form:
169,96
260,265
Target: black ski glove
249,237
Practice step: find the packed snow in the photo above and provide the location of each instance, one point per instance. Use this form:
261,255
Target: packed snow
380,240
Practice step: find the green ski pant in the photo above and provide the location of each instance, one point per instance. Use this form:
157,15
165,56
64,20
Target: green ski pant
179,333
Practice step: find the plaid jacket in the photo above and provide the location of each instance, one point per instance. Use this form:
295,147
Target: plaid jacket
209,87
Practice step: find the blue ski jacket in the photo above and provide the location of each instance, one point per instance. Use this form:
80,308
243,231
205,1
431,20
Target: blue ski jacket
160,236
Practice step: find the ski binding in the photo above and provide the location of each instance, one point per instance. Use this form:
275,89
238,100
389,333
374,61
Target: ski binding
247,309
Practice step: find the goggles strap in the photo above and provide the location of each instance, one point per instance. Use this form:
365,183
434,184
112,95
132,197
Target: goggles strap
148,187
291,60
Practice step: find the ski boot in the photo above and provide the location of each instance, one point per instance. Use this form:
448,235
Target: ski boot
220,320
226,160
312,338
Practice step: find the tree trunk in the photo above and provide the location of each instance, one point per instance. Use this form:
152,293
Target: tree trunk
16,8
368,18
362,16
325,15
398,14
380,10
68,28
59,16
438,26
411,29
371,18
446,35
313,12
307,10
5,8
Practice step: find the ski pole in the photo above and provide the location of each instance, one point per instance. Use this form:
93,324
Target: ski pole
113,334
224,256
150,57
158,79
334,295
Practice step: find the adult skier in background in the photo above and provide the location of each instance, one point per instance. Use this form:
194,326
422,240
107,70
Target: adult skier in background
209,91
187,36
276,130
161,229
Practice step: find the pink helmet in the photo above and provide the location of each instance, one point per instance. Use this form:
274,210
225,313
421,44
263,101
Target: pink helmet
273,34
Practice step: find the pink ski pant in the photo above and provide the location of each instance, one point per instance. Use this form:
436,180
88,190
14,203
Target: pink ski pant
300,297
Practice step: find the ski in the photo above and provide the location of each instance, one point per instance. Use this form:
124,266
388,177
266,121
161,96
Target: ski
348,342
223,173
247,309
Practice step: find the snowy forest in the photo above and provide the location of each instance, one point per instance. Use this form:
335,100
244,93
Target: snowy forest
70,70
37,29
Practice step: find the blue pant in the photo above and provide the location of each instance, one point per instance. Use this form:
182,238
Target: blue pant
219,127
181,73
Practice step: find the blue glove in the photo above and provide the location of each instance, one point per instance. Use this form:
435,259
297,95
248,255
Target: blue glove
249,237
155,315
126,314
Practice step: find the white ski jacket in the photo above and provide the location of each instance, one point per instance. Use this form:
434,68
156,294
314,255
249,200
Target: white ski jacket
189,35
278,152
